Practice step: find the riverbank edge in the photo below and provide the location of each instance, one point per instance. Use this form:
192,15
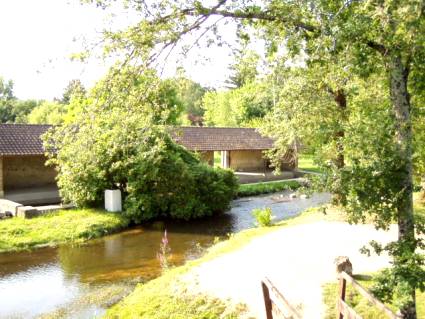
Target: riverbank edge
72,226
261,188
161,297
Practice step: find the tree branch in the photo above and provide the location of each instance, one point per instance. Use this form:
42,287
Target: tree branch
265,16
377,46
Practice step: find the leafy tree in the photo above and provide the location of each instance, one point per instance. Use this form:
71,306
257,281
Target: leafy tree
13,110
238,107
122,143
22,108
48,113
310,110
74,88
382,37
190,95
6,101
244,70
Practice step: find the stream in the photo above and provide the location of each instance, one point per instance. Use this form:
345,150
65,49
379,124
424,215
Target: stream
82,281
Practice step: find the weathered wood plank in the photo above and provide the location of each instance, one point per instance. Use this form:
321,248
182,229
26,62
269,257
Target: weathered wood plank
365,293
346,311
277,298
267,301
341,296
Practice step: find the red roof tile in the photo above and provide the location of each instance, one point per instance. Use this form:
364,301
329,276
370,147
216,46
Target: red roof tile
24,139
21,139
221,138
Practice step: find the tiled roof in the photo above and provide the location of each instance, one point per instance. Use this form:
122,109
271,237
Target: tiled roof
24,139
21,139
221,138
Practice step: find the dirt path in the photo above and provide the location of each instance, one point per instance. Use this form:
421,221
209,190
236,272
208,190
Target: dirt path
297,259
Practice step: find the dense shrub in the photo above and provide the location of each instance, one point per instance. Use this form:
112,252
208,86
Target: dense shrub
168,181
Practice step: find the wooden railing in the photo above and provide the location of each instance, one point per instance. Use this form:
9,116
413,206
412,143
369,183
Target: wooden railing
277,306
345,311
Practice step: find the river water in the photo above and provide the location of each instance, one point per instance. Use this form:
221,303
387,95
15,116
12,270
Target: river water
81,281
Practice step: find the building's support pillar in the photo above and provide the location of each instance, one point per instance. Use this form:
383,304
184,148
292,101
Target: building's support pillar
207,157
1,178
225,159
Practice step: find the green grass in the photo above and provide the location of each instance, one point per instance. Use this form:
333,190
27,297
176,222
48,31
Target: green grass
360,304
305,163
266,187
418,206
164,298
66,226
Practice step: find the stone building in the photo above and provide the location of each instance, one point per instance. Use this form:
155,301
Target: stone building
24,177
241,149
23,173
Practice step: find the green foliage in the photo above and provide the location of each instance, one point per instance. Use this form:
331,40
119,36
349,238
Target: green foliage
306,114
22,108
13,110
189,94
118,142
6,101
306,163
67,226
168,181
238,107
244,70
48,113
263,216
74,89
266,187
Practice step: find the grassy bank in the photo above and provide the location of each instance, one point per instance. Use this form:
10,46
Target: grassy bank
266,188
361,304
164,298
305,163
67,226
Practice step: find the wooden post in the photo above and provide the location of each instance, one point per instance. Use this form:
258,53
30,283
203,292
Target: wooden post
341,296
267,301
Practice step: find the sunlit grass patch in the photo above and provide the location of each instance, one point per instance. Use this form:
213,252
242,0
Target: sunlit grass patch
360,304
165,297
306,163
74,225
266,188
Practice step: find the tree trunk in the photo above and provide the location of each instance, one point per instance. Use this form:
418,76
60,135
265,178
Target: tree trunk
401,106
341,100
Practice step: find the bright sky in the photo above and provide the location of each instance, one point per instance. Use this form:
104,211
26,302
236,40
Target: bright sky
38,38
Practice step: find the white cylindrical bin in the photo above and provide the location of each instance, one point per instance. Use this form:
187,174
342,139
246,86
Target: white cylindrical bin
113,200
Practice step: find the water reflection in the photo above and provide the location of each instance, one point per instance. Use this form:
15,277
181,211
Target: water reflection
36,291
